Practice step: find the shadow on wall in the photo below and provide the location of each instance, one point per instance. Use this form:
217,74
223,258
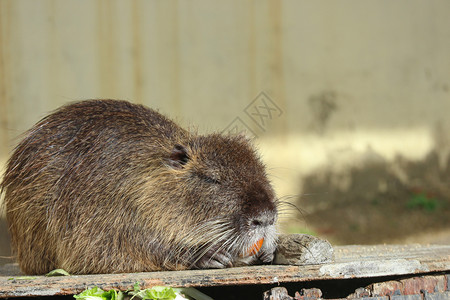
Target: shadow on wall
380,201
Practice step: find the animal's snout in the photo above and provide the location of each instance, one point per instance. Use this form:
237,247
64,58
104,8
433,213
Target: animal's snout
264,219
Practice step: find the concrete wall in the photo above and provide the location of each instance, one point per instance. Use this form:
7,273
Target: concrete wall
343,81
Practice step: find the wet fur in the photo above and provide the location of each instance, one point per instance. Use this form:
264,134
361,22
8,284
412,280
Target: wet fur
106,186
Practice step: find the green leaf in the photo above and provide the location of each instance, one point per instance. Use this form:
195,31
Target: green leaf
57,272
113,295
22,278
157,293
422,201
96,293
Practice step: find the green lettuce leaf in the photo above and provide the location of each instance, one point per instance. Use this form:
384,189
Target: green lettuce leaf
96,293
57,272
157,293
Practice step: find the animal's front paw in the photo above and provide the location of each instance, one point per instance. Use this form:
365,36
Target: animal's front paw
215,259
266,256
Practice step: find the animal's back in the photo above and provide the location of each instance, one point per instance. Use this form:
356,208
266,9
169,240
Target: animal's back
76,176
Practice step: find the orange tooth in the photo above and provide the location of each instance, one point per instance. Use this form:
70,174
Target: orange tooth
254,249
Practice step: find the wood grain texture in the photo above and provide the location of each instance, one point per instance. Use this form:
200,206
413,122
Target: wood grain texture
350,262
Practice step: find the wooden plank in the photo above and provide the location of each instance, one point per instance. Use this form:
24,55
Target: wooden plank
350,262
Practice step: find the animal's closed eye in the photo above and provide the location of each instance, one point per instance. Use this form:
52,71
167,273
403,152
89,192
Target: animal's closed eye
208,179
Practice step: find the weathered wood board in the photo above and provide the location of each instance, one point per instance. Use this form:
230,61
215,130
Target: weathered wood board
350,262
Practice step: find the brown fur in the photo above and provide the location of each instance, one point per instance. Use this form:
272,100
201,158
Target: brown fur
105,186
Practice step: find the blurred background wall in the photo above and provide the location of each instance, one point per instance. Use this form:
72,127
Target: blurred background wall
348,100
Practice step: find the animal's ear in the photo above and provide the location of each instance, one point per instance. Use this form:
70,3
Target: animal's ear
178,157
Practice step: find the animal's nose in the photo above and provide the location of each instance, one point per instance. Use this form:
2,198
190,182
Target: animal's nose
264,219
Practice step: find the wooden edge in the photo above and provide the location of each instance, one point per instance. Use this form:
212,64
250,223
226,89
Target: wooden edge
350,262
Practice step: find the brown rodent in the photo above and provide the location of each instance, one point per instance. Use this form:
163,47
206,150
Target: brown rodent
106,186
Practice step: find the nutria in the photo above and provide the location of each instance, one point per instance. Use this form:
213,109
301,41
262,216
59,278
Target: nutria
107,186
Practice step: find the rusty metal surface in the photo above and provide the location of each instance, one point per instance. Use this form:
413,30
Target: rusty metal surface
350,262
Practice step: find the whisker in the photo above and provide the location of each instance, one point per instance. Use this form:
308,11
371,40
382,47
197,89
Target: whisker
202,239
286,205
207,247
